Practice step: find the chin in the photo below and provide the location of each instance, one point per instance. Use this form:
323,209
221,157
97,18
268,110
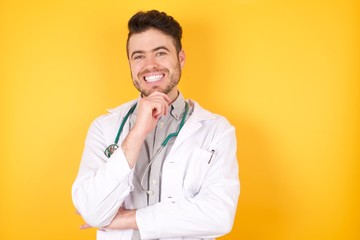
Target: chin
147,92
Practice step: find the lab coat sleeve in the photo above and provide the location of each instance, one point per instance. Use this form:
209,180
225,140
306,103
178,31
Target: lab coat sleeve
211,212
102,184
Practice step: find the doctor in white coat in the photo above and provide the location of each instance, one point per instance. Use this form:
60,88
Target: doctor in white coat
134,185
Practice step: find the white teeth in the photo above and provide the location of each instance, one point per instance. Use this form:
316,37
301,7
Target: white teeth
153,78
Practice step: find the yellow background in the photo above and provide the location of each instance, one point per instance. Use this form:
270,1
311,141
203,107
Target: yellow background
285,73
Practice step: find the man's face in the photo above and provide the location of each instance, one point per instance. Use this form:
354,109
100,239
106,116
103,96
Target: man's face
154,63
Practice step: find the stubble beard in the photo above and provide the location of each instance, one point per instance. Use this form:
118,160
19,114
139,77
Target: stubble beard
174,81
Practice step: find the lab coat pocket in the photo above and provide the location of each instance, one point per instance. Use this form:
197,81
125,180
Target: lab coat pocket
196,171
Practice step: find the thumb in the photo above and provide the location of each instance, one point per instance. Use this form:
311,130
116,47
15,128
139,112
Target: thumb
85,226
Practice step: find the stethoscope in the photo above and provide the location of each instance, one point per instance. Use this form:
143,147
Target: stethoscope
112,147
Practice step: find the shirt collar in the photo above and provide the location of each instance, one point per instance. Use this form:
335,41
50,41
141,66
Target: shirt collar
177,107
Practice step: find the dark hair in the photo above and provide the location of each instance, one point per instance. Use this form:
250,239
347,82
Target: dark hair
143,21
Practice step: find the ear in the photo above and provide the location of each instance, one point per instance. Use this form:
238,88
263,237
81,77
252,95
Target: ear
181,57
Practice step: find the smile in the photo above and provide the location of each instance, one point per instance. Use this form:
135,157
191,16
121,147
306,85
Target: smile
154,78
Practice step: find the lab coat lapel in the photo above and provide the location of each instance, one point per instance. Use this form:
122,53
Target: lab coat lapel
192,125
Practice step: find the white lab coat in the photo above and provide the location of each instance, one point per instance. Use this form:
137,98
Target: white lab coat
200,184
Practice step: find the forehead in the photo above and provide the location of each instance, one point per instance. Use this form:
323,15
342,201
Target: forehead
149,40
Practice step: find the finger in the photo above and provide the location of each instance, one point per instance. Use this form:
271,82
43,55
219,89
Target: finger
159,107
168,100
163,105
158,112
163,95
85,226
166,106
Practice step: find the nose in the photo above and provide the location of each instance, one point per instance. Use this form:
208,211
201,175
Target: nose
150,63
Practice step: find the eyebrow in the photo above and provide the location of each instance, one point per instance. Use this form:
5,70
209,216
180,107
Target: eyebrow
154,50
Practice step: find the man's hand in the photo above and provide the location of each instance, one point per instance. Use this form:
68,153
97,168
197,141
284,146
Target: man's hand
124,219
150,109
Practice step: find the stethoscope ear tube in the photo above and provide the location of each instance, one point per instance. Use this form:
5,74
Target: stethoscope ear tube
112,147
175,134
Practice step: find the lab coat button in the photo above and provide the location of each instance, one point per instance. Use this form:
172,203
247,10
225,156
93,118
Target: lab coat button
154,182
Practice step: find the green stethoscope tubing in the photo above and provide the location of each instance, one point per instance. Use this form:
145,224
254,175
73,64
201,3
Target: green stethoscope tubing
123,123
110,149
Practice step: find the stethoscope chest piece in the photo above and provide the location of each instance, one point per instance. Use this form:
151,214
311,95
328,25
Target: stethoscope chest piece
111,149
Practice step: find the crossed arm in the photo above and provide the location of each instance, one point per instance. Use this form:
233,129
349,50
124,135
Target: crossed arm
151,108
124,219
208,214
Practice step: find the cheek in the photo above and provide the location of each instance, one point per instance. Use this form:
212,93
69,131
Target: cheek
169,65
135,69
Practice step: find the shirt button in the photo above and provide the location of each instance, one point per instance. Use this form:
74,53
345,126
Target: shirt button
154,182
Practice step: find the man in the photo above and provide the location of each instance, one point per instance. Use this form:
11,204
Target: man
169,169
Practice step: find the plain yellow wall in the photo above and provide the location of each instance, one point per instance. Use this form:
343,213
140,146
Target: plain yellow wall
285,73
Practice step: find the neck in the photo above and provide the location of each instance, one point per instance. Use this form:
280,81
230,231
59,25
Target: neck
173,94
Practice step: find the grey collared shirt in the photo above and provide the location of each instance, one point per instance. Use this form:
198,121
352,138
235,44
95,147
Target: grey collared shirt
152,177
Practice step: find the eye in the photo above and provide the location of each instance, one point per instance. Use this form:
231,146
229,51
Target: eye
137,57
161,53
